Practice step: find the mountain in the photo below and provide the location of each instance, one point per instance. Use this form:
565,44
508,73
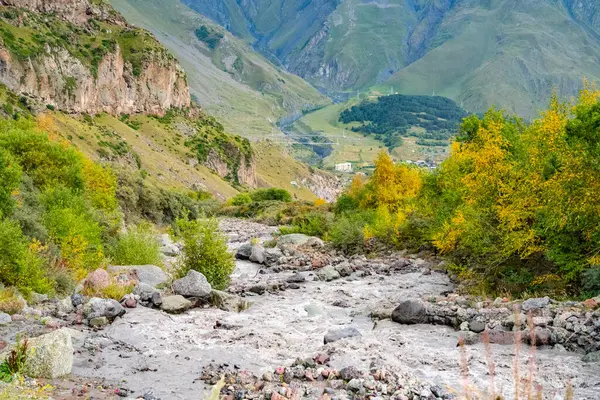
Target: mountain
478,52
84,74
226,76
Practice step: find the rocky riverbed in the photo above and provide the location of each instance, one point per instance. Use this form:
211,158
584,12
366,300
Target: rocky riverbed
315,325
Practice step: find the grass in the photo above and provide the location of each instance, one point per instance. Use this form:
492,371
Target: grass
10,301
138,246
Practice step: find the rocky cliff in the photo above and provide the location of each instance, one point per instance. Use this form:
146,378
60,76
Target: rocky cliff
83,57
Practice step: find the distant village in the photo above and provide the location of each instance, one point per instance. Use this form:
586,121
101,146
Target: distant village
347,166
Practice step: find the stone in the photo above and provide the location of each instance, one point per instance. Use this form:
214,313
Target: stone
543,336
257,255
97,307
37,298
464,326
354,385
175,304
129,301
468,338
51,357
296,278
65,306
328,274
228,302
167,246
349,373
411,311
157,299
150,274
592,357
258,289
77,299
98,279
272,256
298,239
145,291
535,303
344,268
244,252
194,284
333,335
5,318
98,322
477,326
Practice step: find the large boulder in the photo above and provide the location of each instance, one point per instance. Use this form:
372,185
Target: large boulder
412,311
194,284
298,239
51,355
272,256
244,252
328,273
175,304
258,254
333,335
150,274
97,307
97,280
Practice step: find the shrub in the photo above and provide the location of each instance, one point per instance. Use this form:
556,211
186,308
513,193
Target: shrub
19,265
10,302
115,291
139,246
10,175
205,250
347,233
271,194
241,199
314,223
591,282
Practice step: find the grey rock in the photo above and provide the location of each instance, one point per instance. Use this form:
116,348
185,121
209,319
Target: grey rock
5,318
298,239
333,335
244,252
328,273
175,304
167,246
64,306
52,355
344,268
469,338
412,311
464,326
313,310
37,298
98,322
542,336
477,326
150,274
97,307
258,254
145,291
535,303
349,373
157,299
296,278
228,302
592,357
354,385
272,256
194,284
258,289
77,299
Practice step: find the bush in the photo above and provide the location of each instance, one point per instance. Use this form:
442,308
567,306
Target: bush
241,199
205,250
347,233
139,246
314,223
271,194
10,301
591,282
19,265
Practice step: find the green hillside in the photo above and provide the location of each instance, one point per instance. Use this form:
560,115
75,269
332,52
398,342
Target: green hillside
478,52
232,82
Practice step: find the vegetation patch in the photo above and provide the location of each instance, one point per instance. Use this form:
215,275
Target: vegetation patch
212,38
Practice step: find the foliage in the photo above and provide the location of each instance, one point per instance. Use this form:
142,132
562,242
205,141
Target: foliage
15,362
348,232
209,36
392,116
138,246
314,223
273,194
115,291
515,205
205,250
241,199
20,389
10,301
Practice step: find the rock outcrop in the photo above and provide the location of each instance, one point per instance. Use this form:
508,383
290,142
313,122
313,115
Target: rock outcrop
78,77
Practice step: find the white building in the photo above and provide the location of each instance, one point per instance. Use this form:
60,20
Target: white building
344,167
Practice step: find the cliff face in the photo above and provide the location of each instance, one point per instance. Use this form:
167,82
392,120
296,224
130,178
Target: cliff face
71,61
